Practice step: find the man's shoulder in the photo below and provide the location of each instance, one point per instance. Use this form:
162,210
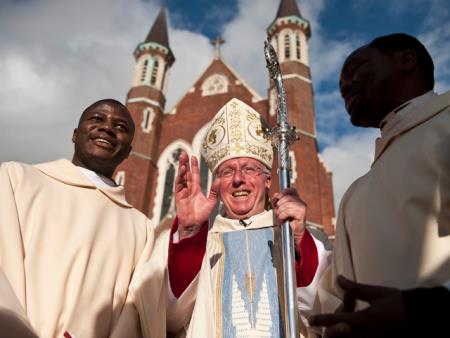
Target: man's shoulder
439,107
14,164
445,96
16,168
19,170
18,174
351,189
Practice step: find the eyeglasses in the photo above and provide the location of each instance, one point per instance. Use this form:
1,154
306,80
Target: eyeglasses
247,171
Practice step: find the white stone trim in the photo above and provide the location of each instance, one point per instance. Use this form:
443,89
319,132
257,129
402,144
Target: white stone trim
321,160
296,76
293,166
301,131
160,73
172,112
120,178
163,165
148,115
146,100
166,75
298,49
273,96
304,48
145,157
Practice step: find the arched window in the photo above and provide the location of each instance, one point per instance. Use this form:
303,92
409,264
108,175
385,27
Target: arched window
215,84
154,73
297,45
120,178
204,173
167,171
147,119
168,202
205,184
287,46
144,70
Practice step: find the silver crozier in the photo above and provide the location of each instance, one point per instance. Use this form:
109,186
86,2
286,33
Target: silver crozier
282,136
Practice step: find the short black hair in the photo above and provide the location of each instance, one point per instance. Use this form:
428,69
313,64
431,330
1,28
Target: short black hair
111,102
401,41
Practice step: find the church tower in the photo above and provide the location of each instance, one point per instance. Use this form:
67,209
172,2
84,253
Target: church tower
289,34
146,101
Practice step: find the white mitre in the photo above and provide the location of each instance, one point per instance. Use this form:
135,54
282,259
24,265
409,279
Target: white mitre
237,130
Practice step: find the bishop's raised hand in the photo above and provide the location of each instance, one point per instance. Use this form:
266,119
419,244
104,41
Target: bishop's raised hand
193,207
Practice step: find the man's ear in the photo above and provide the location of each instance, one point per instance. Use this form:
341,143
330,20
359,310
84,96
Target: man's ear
268,181
74,135
408,60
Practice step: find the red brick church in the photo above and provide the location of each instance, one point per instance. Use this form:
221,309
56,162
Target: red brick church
148,174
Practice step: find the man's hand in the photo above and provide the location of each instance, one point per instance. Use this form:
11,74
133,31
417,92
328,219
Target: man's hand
289,207
385,317
193,207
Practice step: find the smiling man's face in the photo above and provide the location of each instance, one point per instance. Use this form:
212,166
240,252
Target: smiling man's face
103,137
368,84
243,194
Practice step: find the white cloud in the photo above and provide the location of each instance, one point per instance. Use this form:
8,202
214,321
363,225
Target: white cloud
330,116
244,36
349,158
193,54
58,57
436,40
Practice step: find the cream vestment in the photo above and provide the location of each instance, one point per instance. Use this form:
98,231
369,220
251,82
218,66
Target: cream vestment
68,249
393,225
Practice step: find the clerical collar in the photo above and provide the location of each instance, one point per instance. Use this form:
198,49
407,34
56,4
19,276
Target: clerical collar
247,221
98,180
391,120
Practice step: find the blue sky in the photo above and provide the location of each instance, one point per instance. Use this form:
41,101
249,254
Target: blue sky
56,57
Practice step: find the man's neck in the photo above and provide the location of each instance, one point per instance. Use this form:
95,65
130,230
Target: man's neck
103,172
98,179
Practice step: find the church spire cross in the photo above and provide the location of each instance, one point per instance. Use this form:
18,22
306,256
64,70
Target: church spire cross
217,43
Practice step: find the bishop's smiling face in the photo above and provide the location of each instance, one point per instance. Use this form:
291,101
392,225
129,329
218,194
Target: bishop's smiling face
243,193
103,137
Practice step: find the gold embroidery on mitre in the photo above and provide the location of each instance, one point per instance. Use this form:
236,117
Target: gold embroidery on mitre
212,138
237,130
